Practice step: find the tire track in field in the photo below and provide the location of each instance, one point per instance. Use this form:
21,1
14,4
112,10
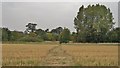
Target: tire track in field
57,57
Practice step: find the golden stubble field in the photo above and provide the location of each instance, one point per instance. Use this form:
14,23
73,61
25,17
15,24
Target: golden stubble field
23,54
82,54
94,55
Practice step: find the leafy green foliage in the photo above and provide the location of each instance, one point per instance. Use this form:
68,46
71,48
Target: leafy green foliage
15,35
0,34
65,36
6,34
73,37
41,33
56,32
113,35
32,37
93,23
51,37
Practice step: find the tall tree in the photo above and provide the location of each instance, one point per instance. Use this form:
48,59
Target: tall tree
31,27
93,23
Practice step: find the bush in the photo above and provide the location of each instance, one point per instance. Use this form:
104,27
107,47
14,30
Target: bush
31,39
64,36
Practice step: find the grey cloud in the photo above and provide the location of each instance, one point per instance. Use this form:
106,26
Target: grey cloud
46,14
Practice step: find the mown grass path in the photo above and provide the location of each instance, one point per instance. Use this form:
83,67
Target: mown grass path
58,57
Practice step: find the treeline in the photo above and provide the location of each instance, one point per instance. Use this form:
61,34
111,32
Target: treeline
36,35
58,34
93,24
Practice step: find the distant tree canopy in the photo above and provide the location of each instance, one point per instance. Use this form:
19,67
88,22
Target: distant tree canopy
113,35
57,30
16,35
31,27
64,36
47,30
93,23
6,34
41,33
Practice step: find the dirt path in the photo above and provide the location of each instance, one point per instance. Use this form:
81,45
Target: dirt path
58,57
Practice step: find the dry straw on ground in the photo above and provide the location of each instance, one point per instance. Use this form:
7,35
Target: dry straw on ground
66,54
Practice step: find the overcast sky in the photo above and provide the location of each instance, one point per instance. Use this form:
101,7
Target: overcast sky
15,15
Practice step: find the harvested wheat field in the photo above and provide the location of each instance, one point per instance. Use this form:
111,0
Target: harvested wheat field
24,54
60,55
92,55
